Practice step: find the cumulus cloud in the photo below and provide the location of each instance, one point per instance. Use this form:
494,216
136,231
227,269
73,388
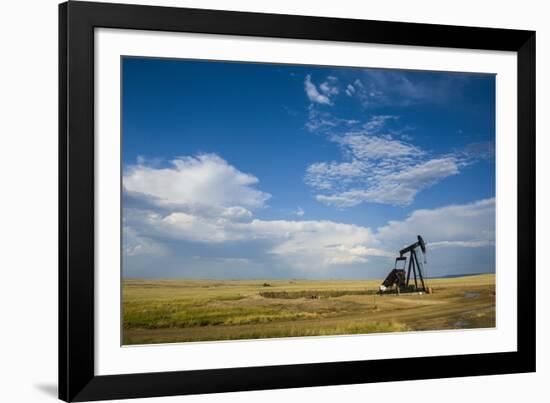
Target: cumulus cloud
460,238
205,179
469,225
135,244
314,247
216,227
461,244
202,212
305,245
205,200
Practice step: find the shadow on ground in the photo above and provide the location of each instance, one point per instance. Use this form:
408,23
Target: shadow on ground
49,389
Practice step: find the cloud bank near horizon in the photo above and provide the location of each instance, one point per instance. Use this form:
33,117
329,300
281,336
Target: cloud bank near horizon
197,216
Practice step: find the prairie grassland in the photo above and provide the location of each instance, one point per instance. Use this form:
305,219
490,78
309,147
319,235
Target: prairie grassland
166,311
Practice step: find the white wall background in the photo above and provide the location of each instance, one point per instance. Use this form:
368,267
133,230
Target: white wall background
28,197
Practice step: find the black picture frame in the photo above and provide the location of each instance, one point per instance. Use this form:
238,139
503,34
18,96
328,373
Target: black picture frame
77,379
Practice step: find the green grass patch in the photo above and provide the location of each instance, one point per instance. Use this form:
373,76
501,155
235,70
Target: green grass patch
189,314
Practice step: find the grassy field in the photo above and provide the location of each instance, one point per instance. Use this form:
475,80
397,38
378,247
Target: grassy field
165,311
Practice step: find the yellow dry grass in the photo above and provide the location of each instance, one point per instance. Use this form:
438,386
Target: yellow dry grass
165,311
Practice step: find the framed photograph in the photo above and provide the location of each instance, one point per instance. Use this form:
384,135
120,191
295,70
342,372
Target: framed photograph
256,201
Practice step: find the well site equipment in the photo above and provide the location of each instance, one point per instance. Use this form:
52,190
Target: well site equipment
398,280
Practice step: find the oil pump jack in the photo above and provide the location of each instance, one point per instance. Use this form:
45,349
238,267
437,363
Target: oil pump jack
398,279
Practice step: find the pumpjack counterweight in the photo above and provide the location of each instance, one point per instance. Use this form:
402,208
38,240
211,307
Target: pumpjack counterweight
399,279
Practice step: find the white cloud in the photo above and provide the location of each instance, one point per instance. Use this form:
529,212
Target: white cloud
332,175
424,174
135,244
460,238
377,122
378,164
322,121
319,121
330,86
315,247
381,88
377,169
313,93
366,146
205,200
170,217
368,93
206,180
382,184
461,244
236,213
305,245
387,88
470,225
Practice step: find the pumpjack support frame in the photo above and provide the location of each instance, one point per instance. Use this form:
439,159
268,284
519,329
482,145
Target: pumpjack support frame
396,278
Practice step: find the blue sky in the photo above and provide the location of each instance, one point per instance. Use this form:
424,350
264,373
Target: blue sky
240,170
